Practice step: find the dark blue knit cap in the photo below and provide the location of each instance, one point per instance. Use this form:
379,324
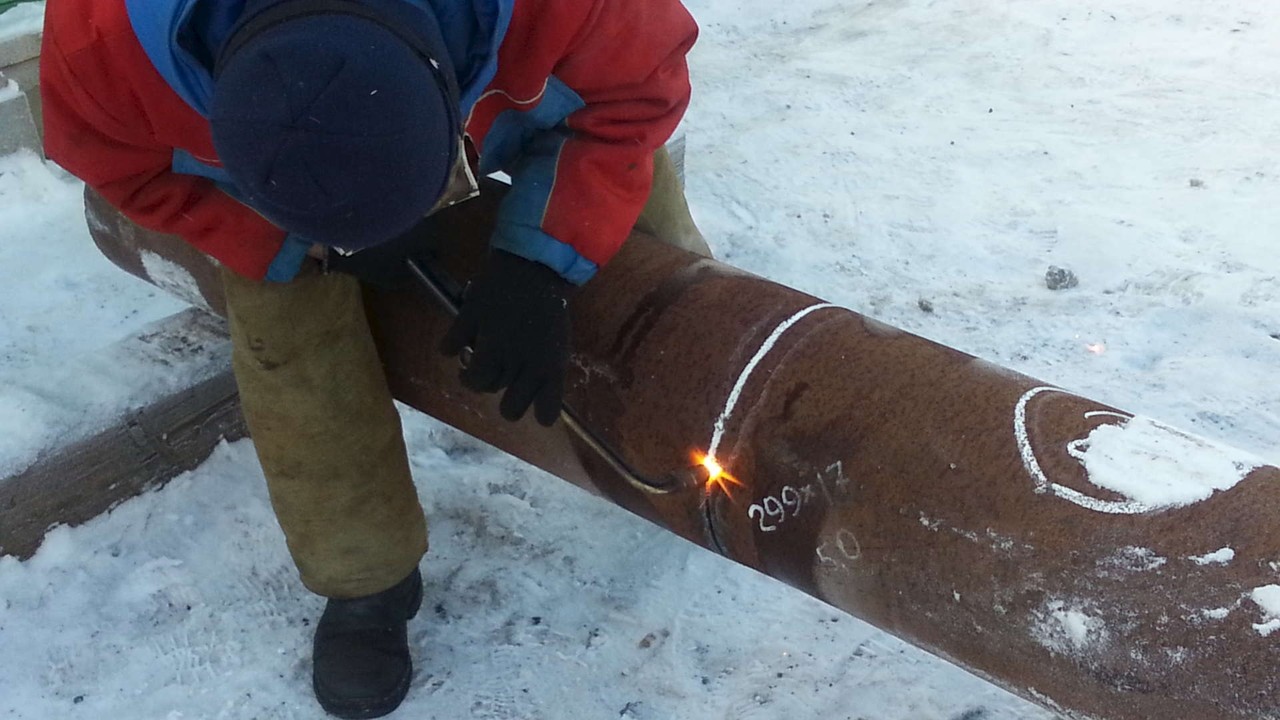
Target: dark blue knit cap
337,119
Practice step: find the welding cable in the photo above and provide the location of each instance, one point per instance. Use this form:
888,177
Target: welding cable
438,286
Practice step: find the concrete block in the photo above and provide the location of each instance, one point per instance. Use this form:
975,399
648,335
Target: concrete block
17,124
19,48
25,73
20,121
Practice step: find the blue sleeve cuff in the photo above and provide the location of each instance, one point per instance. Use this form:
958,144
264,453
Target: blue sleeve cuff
289,260
533,244
519,227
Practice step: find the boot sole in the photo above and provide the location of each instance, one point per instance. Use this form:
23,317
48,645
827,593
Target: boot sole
366,708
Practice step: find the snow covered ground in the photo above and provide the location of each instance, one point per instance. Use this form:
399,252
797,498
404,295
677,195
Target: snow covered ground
889,156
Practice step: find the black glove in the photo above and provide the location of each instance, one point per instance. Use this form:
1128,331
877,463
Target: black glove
385,265
515,319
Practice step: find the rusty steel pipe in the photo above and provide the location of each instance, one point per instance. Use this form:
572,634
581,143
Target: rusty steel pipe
437,288
951,502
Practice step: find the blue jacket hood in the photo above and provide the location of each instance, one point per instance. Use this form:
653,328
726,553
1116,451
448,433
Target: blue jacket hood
171,31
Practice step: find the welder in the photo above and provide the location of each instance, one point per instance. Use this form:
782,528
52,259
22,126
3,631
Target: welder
299,143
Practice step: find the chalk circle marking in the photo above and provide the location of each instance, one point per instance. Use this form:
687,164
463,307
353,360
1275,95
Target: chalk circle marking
1074,448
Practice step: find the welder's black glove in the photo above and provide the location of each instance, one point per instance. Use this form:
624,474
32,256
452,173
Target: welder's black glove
386,265
515,319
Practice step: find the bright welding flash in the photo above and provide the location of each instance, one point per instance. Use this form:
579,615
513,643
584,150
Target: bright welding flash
713,468
716,475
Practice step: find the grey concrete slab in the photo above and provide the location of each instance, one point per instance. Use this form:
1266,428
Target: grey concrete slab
17,125
20,121
19,49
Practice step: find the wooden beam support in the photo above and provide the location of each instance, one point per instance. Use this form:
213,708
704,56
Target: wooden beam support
141,450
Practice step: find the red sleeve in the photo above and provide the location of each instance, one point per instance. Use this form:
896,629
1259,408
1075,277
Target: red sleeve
628,65
97,127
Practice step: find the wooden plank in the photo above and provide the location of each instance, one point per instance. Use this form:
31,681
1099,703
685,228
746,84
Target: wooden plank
142,452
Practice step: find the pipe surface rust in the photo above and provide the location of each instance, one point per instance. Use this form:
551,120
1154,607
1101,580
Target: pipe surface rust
959,505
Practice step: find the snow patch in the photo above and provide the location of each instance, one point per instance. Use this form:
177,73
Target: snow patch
57,403
9,90
1217,557
25,19
1216,613
1267,598
1066,629
173,279
1158,466
59,549
1135,559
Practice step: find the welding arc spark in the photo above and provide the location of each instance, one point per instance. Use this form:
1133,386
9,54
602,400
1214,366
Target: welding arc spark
717,477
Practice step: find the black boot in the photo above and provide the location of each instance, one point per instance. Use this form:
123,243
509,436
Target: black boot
361,665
